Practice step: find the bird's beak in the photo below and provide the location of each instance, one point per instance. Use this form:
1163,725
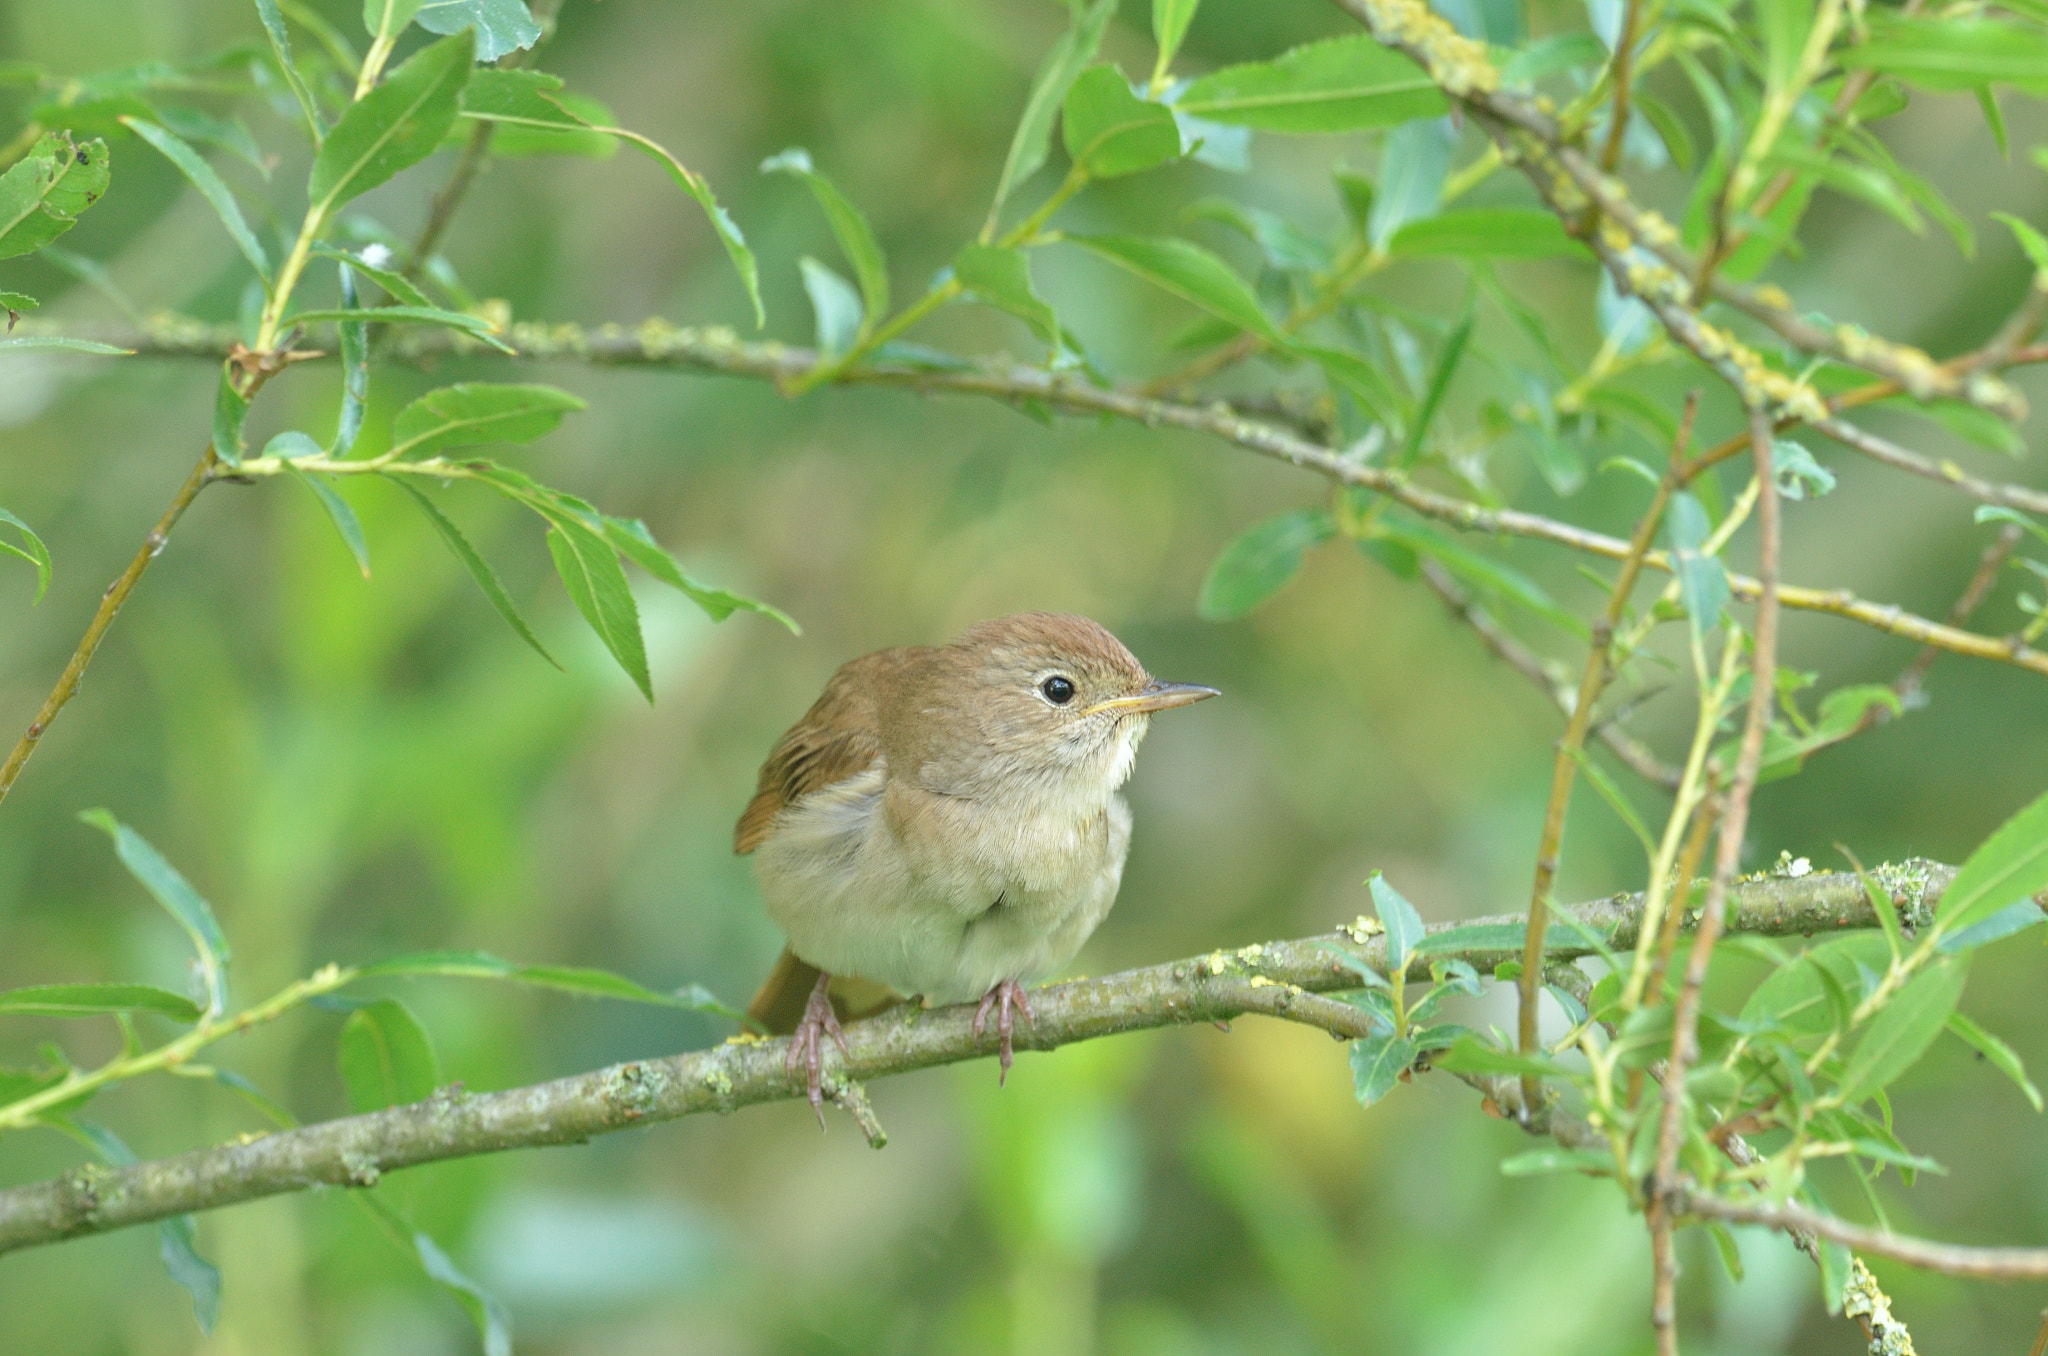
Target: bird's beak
1155,697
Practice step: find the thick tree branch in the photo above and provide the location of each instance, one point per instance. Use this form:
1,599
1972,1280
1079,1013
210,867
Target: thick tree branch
1276,978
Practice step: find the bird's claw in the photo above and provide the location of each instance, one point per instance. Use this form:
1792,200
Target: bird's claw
804,1048
1006,997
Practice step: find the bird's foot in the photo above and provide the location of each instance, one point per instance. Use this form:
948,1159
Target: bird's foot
819,1020
1006,997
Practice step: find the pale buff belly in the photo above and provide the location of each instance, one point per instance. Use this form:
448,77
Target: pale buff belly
947,913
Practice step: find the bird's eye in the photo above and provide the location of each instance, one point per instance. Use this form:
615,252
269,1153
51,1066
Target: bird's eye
1058,690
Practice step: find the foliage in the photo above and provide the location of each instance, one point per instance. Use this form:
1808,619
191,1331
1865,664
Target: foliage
1502,170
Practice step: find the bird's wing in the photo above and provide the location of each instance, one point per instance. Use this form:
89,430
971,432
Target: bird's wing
839,737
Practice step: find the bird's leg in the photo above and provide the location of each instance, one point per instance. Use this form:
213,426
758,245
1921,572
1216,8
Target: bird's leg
803,1042
1006,996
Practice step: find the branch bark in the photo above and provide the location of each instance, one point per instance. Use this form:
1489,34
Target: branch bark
1278,979
1954,1259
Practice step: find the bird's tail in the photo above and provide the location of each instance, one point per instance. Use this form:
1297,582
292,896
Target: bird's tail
779,1004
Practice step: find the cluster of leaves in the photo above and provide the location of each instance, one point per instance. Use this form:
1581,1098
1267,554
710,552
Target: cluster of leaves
364,130
1801,1066
383,1055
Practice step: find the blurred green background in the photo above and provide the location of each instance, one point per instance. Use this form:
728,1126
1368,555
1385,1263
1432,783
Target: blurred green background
351,769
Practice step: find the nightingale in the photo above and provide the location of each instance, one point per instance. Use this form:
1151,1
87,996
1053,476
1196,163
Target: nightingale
944,824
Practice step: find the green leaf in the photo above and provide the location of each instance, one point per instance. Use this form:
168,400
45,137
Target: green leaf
637,544
1363,380
493,1321
16,302
568,979
835,307
1285,245
1377,1063
401,288
1264,557
1784,24
1440,374
385,1057
1002,278
723,225
1478,937
386,19
501,26
57,341
1481,572
1340,85
473,412
1033,137
31,550
194,167
179,899
536,116
1535,1162
1110,131
1473,1056
1411,179
1403,924
42,193
855,236
2007,921
394,126
590,571
1797,996
1190,273
86,1000
1903,1029
2031,240
1954,53
1485,232
1702,579
2002,1056
476,327
479,569
281,47
291,446
230,411
2009,866
1170,20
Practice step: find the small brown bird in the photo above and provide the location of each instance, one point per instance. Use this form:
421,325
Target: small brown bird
944,822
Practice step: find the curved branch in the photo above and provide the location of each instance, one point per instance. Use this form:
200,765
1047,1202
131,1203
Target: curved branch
1955,1259
714,349
1278,979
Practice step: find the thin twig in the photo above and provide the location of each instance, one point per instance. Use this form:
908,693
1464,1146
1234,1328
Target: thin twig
1631,751
1278,978
656,343
1990,1264
1565,765
110,606
1907,684
1727,858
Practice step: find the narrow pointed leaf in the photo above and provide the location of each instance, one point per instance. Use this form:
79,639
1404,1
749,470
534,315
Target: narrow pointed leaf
493,1321
1033,137
590,571
850,228
355,370
281,47
401,288
2010,865
637,544
2000,1055
836,309
1189,272
475,327
479,569
1377,1063
1403,924
590,983
211,187
86,1000
470,413
1485,232
179,899
394,126
1903,1029
1254,566
1340,85
1002,278
1170,20
59,341
31,550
